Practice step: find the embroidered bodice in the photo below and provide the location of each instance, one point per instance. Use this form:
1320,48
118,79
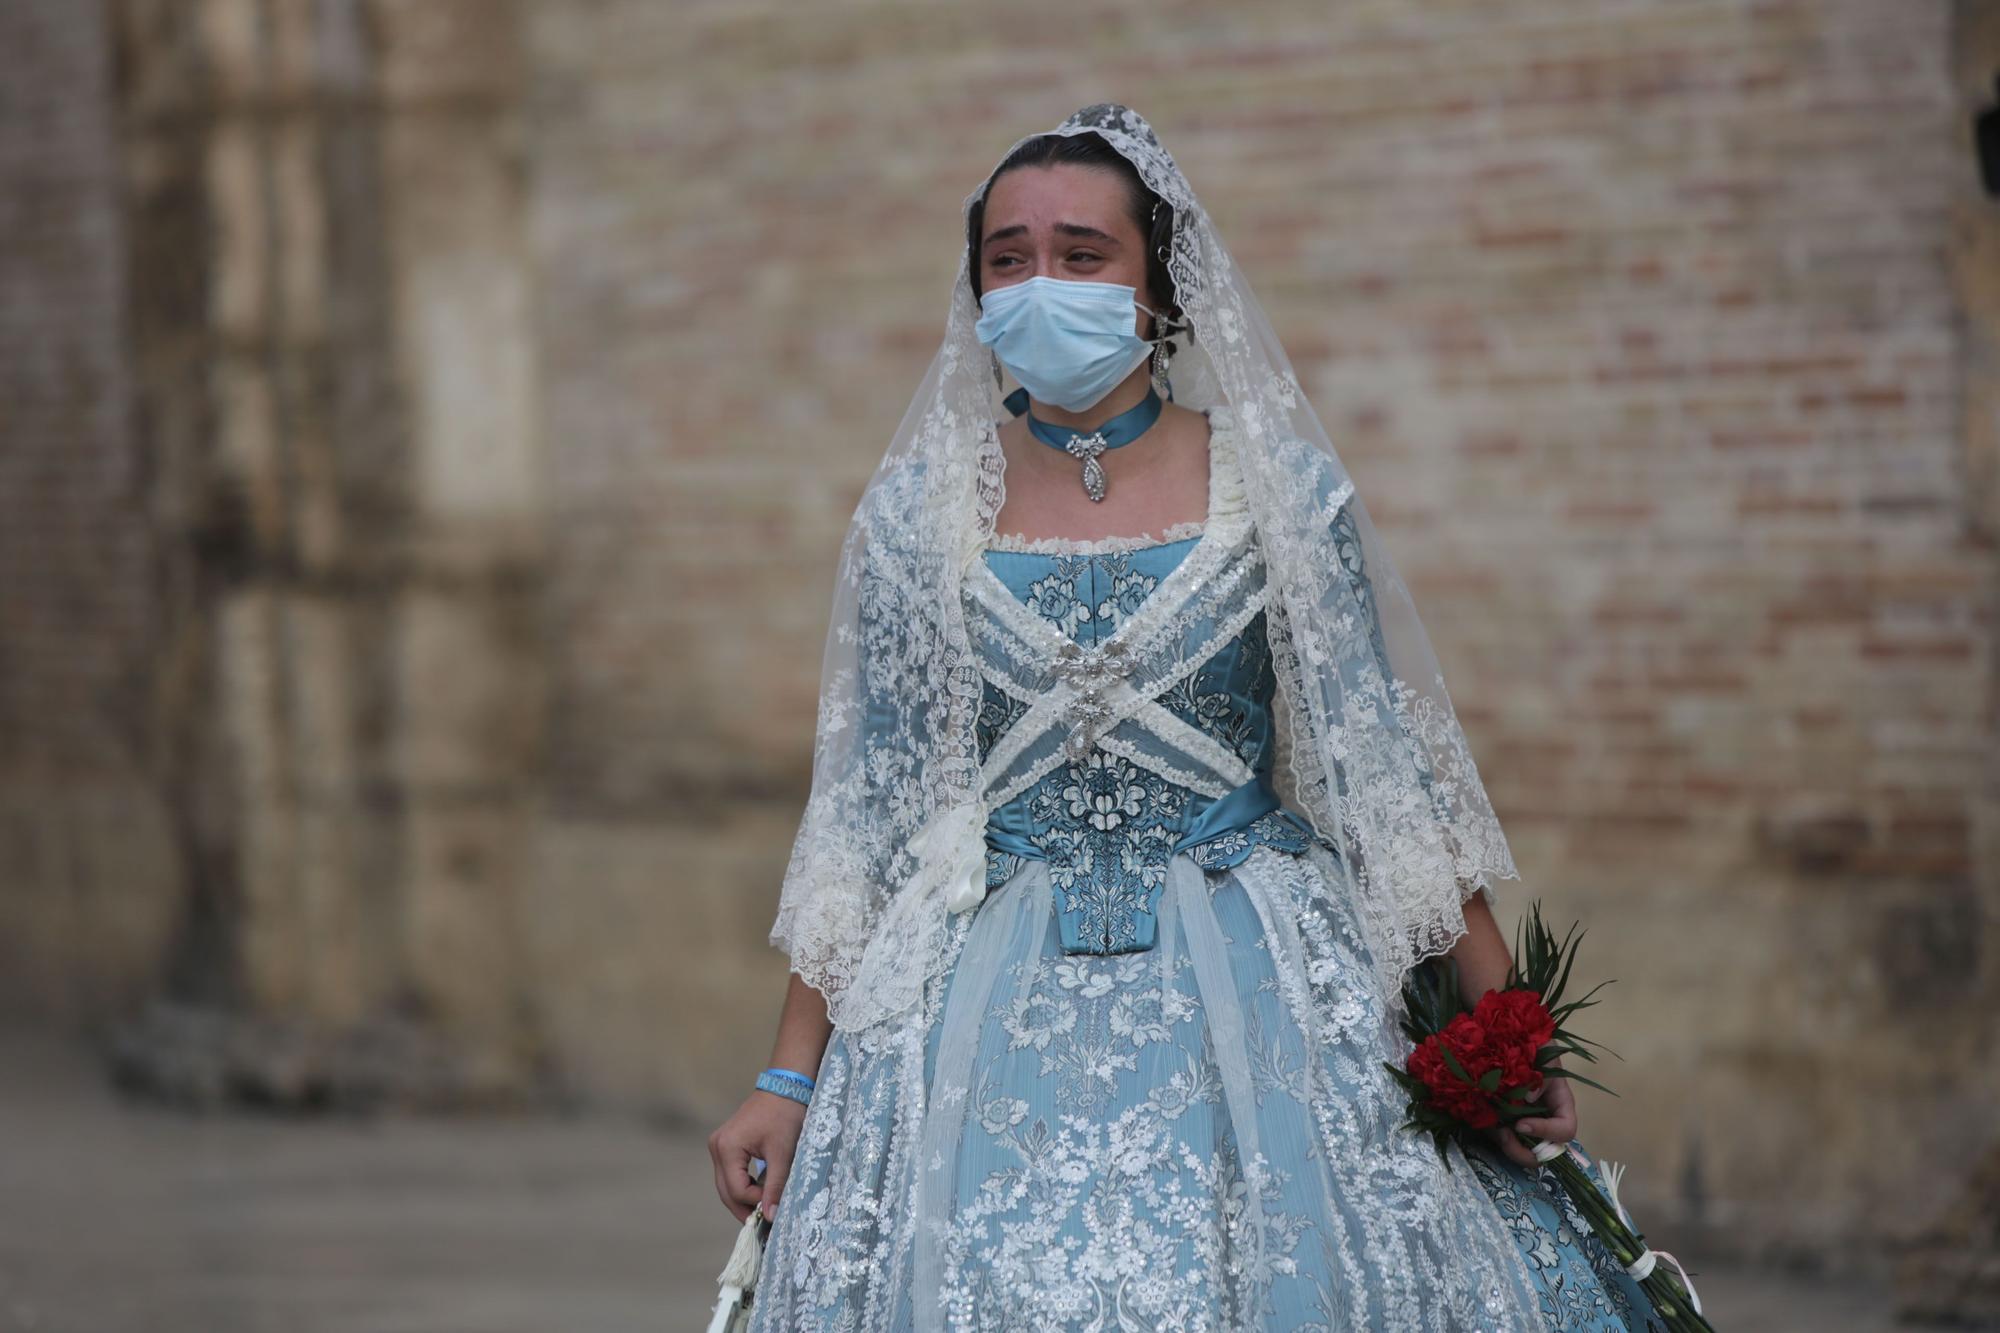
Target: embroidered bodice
1106,825
1105,821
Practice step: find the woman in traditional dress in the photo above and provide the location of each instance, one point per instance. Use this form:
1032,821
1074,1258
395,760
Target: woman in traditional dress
1136,794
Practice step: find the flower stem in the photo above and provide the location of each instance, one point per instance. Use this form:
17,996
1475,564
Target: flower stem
1662,1286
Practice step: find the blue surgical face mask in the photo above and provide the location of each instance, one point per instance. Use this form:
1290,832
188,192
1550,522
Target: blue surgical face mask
1068,343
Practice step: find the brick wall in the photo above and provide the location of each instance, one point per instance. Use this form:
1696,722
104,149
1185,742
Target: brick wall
1638,334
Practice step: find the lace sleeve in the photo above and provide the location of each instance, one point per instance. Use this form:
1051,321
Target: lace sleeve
833,884
1347,541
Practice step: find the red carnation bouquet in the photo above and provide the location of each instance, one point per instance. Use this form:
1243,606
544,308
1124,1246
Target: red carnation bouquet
1483,1065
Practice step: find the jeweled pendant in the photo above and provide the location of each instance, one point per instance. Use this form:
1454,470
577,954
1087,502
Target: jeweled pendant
1093,478
1088,447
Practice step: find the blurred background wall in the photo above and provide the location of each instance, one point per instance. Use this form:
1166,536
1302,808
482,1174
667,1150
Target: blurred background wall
427,428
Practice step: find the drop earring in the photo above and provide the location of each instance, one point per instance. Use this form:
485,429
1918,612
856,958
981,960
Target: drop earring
998,383
1160,327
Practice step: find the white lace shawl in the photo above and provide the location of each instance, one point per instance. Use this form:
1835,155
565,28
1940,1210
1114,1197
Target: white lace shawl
1372,753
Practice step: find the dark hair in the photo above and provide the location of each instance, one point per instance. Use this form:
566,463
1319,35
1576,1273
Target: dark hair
1153,215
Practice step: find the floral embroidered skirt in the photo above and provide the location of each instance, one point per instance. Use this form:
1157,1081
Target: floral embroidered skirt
1197,1136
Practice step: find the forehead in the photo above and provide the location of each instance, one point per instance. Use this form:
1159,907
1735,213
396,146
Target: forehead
1059,192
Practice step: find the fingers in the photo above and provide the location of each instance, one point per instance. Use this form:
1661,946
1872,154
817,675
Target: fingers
722,1192
776,1168
1559,1125
1517,1152
732,1174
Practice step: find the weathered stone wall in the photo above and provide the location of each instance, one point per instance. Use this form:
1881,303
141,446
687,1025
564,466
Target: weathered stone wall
1947,1272
328,329
89,871
507,375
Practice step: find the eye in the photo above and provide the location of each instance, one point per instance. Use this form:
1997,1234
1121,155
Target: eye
1000,261
1084,255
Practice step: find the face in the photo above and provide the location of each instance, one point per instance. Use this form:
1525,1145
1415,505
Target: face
1063,221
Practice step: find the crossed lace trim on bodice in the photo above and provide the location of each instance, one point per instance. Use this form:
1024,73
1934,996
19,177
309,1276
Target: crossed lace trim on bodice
1098,691
1085,763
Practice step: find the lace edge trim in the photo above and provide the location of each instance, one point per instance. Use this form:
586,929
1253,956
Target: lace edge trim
1173,532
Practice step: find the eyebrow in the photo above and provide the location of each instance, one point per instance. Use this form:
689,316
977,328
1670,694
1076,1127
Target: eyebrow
1076,229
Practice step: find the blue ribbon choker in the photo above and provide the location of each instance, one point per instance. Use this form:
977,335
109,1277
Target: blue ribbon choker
1116,433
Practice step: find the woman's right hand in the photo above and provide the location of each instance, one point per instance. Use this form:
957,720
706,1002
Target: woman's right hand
765,1126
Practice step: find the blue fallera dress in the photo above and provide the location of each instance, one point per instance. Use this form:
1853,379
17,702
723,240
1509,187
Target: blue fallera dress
1112,1043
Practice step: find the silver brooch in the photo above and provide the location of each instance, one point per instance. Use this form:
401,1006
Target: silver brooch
1089,672
1088,447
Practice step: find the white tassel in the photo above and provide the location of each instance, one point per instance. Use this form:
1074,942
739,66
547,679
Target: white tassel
745,1256
739,1274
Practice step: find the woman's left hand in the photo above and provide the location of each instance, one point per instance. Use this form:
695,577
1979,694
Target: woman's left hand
1558,1126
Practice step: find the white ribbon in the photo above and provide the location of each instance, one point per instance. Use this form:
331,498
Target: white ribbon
951,848
1642,1267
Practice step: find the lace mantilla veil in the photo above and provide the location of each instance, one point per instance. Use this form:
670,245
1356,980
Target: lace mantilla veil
892,837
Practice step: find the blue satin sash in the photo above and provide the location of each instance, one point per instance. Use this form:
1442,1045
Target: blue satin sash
1009,827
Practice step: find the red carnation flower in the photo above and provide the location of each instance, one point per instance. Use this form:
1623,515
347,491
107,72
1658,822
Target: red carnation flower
1517,1026
1455,1096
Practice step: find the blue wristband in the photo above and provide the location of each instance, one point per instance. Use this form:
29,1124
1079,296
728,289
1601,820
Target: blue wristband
785,1083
